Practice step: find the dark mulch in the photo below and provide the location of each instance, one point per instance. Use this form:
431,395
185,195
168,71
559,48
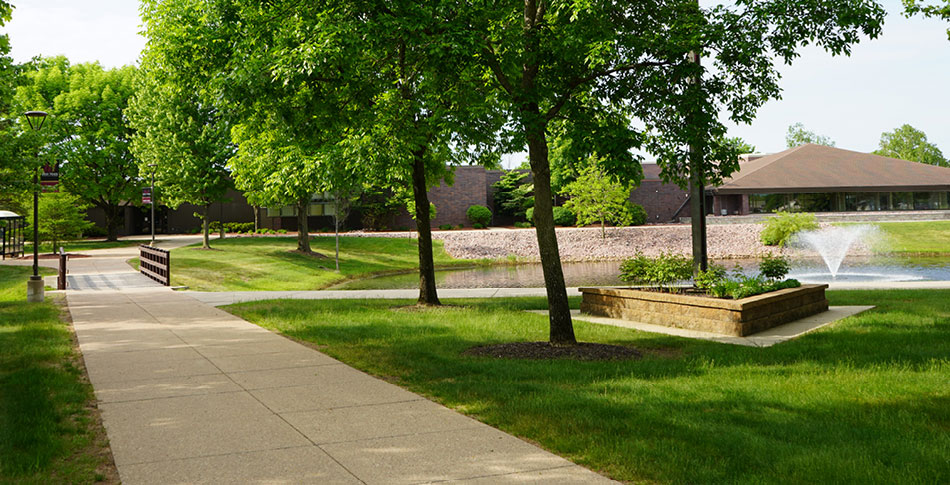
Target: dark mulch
544,351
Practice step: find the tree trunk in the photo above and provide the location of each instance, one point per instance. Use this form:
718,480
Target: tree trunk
427,291
205,227
303,231
561,327
257,218
112,222
336,228
697,195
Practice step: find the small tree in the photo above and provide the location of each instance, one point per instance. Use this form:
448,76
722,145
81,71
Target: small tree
596,196
512,196
61,218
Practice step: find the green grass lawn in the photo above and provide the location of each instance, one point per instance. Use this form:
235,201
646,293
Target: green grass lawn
269,263
916,237
866,400
47,434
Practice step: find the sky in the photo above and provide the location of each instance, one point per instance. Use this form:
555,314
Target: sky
901,77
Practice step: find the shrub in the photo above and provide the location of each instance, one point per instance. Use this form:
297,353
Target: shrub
563,217
774,267
522,225
95,231
662,271
636,214
712,277
446,227
479,214
478,226
529,215
779,229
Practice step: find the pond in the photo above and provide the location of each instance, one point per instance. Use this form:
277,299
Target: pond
605,273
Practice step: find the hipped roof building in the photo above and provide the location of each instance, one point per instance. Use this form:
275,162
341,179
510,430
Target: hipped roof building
816,178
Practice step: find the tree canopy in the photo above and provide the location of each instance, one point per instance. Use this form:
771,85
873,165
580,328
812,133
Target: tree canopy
180,133
87,134
913,7
909,143
798,135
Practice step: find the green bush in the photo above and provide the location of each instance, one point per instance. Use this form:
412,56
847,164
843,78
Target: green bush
662,271
774,267
523,225
563,217
479,214
446,227
636,214
713,276
95,231
478,225
779,229
529,215
238,227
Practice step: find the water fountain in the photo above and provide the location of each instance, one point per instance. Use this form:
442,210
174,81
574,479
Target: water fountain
833,244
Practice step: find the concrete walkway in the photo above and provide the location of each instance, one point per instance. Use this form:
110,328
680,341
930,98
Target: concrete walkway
190,393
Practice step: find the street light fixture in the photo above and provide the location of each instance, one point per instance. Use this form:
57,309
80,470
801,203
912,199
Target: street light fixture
34,287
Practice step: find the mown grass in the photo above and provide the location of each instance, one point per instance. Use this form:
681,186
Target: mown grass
916,237
865,400
47,433
270,263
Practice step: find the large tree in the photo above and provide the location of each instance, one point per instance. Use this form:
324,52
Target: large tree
909,143
180,135
672,65
88,133
392,74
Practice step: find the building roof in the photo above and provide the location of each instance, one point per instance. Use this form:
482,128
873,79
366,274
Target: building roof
818,168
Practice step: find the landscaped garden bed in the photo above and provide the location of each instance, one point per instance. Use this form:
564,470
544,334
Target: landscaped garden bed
739,317
739,305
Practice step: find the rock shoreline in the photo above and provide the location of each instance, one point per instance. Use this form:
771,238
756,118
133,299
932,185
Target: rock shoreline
725,241
586,244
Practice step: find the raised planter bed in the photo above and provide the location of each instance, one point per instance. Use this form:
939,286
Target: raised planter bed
728,317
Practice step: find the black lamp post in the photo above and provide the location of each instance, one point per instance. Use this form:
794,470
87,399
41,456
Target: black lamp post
151,196
34,288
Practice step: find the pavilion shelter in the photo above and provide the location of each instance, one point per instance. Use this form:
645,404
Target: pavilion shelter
11,234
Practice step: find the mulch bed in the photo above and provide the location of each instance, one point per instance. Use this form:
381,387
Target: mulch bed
546,351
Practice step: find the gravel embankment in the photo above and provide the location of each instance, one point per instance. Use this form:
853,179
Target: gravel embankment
587,244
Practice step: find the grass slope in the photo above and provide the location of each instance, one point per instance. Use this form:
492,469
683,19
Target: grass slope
269,263
866,400
47,434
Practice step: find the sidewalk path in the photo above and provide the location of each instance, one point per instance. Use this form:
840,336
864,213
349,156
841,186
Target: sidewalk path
190,393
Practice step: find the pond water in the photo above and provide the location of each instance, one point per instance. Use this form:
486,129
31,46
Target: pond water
604,273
